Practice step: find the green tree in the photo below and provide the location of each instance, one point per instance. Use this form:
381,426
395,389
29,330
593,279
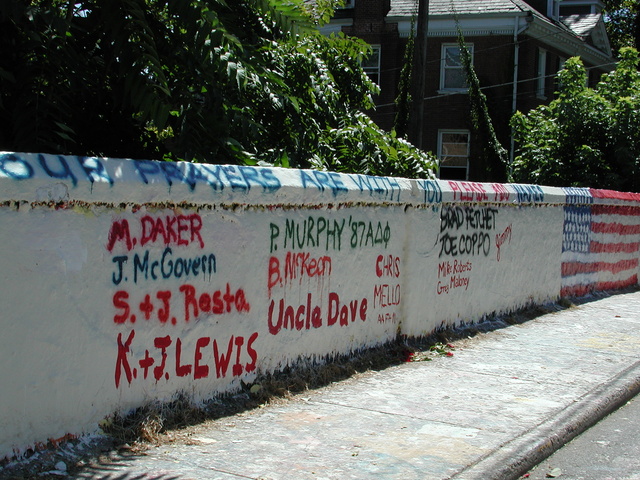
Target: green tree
622,20
404,100
493,159
317,119
586,137
126,77
200,80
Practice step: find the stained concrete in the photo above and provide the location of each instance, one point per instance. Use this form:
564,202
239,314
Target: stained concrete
503,402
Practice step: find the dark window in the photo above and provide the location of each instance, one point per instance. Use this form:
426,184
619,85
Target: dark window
453,152
371,65
452,75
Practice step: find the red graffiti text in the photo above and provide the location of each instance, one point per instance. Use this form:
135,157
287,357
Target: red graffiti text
386,295
310,313
169,358
387,266
469,191
501,239
164,230
297,266
500,192
166,307
453,275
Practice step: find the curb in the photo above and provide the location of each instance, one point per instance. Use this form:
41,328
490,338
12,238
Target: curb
516,457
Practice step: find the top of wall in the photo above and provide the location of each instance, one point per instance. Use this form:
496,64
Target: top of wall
53,179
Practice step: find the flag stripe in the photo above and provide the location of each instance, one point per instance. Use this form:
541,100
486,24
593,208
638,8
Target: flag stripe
614,227
615,210
574,268
612,194
581,290
598,247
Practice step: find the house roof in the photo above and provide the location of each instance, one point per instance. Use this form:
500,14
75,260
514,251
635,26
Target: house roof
584,24
583,35
401,8
474,8
589,27
583,29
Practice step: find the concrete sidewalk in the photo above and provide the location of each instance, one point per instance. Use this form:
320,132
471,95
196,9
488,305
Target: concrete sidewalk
502,403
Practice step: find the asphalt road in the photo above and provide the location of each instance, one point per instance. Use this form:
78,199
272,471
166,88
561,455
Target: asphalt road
610,450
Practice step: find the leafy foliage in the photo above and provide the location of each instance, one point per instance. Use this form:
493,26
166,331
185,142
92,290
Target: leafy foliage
331,122
622,20
494,156
200,80
404,100
586,137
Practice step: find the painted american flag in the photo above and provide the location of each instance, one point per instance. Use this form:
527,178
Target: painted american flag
600,241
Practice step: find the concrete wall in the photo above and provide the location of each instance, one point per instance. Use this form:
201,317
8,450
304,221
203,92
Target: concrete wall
127,281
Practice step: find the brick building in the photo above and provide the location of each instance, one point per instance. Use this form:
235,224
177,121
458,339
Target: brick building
517,47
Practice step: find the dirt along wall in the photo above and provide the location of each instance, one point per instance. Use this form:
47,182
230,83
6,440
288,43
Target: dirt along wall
129,281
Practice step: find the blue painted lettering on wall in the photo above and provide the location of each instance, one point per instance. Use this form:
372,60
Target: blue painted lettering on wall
529,193
218,177
323,181
432,191
386,187
239,178
57,167
148,267
94,170
14,167
53,166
